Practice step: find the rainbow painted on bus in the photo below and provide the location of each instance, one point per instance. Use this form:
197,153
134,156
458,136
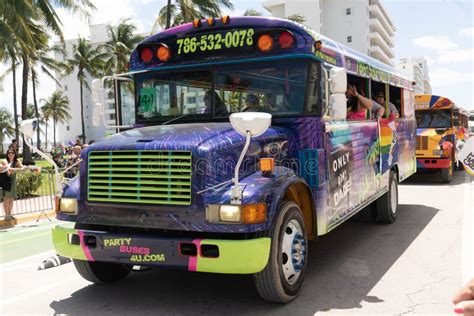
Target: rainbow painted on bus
160,193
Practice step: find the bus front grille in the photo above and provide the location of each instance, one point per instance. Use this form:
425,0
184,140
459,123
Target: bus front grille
140,177
421,142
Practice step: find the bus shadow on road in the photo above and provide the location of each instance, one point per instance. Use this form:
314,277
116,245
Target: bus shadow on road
343,268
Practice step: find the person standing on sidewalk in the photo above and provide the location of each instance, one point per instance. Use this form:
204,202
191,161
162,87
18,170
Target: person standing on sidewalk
7,182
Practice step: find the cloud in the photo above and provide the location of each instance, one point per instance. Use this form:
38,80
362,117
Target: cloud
467,32
434,42
441,77
455,56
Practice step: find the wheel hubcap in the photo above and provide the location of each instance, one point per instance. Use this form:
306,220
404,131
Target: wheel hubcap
293,253
393,197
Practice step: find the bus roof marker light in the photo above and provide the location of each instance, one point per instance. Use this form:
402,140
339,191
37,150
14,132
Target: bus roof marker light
265,43
211,21
146,55
197,23
225,19
286,39
163,53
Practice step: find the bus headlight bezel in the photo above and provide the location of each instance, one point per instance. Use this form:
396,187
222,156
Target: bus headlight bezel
68,205
254,213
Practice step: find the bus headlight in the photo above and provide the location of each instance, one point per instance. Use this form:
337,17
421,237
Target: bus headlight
229,213
236,214
68,205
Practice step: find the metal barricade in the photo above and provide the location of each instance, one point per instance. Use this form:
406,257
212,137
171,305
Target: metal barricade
34,192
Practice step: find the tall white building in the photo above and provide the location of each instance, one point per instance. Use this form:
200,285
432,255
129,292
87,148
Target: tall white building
417,68
70,85
361,24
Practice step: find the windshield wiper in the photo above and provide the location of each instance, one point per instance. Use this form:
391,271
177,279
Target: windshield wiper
175,118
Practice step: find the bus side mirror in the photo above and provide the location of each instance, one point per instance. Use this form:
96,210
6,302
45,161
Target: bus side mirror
338,107
28,127
338,86
338,80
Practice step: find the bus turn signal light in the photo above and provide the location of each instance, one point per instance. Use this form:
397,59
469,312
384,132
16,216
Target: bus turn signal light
265,43
146,55
267,165
254,213
286,39
163,53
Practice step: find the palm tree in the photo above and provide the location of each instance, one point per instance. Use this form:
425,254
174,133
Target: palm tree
6,125
122,41
57,108
45,117
297,17
23,23
87,61
186,10
47,64
252,12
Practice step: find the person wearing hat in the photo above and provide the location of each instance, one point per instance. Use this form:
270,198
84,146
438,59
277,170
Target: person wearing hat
379,97
358,104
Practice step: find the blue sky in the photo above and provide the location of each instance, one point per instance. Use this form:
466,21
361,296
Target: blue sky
440,30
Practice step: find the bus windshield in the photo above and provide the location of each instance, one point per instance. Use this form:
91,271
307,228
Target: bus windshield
433,119
278,88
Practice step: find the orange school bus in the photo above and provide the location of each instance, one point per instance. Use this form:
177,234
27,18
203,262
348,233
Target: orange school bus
441,130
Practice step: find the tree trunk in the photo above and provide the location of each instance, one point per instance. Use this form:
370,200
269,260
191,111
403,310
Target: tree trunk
35,102
54,131
24,102
168,15
46,135
15,105
83,136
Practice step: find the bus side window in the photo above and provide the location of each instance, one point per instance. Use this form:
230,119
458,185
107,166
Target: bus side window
395,97
362,86
314,90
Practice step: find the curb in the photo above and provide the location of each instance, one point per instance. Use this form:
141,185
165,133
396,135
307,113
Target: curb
29,217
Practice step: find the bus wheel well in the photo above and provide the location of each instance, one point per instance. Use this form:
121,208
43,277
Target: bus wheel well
300,194
395,170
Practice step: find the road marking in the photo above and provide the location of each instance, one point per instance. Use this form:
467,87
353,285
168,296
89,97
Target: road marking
24,238
30,261
36,292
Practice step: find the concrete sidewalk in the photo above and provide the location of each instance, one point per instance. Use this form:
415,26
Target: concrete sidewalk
28,217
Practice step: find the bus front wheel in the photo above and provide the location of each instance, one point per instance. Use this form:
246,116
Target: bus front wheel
101,272
387,204
283,276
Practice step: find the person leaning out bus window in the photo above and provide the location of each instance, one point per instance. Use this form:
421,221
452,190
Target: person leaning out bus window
7,182
379,97
359,104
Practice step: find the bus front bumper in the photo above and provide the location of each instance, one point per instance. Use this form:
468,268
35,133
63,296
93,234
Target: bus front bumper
201,255
433,163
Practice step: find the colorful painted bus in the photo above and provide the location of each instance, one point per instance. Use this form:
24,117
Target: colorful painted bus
442,127
180,188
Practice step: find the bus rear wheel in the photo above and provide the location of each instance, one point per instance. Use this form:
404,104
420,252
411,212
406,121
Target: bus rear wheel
447,174
386,205
283,276
101,272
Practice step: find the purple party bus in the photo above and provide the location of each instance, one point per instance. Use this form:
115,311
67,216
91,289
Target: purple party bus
181,187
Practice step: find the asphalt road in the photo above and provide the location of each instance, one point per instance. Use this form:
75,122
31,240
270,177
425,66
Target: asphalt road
413,266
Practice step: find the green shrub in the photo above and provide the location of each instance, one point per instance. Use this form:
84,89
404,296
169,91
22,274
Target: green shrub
27,183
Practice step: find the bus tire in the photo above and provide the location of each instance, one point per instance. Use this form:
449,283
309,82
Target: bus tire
387,204
101,272
447,174
283,275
